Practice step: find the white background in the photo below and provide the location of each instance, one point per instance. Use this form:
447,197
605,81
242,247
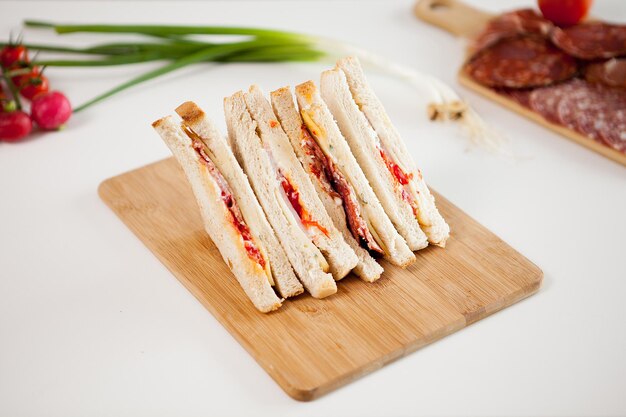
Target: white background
91,323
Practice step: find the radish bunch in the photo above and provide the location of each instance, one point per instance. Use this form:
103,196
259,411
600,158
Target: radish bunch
49,110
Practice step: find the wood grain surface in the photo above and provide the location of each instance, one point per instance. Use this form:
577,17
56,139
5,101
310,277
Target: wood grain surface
466,21
309,346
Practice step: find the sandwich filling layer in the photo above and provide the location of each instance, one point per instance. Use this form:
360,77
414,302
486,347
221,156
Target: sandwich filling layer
293,196
289,193
226,195
403,182
335,184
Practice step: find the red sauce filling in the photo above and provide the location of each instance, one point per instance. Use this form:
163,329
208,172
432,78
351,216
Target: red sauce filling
236,217
397,172
402,178
294,198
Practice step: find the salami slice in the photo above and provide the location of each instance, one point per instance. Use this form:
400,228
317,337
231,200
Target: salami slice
512,24
593,110
582,110
615,135
594,40
611,73
545,101
521,63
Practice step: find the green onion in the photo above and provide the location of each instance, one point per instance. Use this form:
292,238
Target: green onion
175,46
114,60
214,52
166,30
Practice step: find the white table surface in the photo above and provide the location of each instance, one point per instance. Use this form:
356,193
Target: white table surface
92,324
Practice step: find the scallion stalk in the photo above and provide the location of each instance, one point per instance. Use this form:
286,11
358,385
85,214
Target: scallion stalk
167,30
212,53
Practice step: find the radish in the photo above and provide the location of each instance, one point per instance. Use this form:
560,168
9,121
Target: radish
51,110
14,126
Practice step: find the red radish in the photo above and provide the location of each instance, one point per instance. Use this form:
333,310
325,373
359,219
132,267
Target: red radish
565,12
14,126
12,55
51,110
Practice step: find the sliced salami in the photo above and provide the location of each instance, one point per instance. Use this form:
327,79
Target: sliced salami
595,111
521,63
512,24
582,110
615,134
594,40
611,73
545,101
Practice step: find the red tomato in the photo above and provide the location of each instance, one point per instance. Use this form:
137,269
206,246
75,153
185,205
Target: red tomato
18,80
33,86
12,55
14,126
565,12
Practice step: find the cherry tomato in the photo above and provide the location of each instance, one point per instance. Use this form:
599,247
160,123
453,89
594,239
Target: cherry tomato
14,126
18,80
13,55
33,85
51,110
565,12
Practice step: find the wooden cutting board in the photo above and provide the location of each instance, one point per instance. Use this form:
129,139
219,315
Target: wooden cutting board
309,346
466,22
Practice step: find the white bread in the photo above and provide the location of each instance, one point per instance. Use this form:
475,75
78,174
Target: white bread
306,259
363,142
431,221
341,258
222,156
322,126
251,276
284,107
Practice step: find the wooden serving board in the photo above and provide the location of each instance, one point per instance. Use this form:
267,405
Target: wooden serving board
309,346
465,21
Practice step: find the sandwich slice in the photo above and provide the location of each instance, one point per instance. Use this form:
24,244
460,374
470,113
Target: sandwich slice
296,184
377,231
382,153
383,175
337,195
262,168
231,214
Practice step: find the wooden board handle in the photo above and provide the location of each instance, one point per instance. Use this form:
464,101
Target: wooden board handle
453,16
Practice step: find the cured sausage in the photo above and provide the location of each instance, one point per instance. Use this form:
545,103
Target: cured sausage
611,73
545,101
593,110
513,24
594,40
521,63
